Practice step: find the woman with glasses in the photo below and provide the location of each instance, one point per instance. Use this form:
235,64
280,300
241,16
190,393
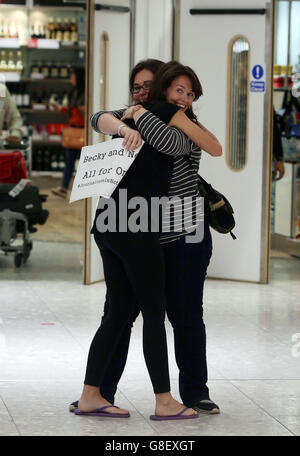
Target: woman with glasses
193,386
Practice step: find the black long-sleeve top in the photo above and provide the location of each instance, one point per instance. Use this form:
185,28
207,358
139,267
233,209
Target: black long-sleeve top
183,186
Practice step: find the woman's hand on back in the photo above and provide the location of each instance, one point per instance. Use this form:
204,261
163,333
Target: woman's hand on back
128,113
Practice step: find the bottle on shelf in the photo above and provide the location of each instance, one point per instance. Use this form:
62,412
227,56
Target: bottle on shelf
64,71
1,29
65,100
54,160
59,33
17,29
46,159
55,29
35,69
74,31
26,97
51,28
54,71
47,31
6,29
52,101
37,31
11,66
42,33
33,33
45,69
13,30
63,28
67,30
19,64
3,63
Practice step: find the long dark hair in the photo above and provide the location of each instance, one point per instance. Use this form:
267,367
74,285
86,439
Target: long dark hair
164,78
152,65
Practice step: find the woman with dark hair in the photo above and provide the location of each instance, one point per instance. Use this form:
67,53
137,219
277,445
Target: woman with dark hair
164,78
178,178
143,71
76,119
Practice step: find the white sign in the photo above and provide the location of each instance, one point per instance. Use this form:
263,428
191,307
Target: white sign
9,43
257,86
101,169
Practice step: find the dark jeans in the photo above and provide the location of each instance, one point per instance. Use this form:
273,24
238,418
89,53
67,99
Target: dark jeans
134,272
186,265
71,155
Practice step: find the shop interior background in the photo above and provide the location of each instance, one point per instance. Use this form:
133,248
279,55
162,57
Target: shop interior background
39,46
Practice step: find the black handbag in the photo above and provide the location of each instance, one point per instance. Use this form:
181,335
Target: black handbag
217,208
289,116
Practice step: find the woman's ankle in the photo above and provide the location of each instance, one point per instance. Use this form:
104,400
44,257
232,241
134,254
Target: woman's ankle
90,391
164,398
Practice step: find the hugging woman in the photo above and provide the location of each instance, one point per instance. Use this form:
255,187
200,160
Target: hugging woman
152,272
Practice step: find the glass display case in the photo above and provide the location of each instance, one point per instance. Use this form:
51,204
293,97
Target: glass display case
38,47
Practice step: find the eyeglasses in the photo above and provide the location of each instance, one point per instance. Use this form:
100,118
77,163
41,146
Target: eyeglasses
147,86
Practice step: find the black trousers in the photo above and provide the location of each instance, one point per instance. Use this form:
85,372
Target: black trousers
186,265
134,272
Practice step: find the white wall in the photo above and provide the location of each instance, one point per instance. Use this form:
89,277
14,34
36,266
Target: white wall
281,37
153,30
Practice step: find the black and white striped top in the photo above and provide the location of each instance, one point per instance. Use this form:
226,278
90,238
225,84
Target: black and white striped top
183,212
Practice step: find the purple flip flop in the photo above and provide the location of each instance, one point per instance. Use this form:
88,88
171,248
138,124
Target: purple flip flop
99,412
179,416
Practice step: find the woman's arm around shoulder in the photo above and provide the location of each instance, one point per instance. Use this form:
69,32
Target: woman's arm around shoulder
197,133
165,139
109,123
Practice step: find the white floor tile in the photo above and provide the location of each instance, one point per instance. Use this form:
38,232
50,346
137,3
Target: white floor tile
276,397
48,319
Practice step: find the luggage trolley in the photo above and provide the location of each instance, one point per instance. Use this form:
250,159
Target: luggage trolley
20,205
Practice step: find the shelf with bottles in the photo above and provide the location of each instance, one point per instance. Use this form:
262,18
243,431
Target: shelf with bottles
50,70
40,44
48,159
35,28
38,102
48,81
11,64
12,68
47,134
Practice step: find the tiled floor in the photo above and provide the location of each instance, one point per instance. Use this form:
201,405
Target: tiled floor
47,320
